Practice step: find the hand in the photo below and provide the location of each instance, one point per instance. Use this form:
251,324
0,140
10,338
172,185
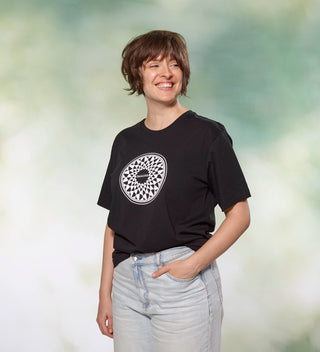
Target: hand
104,314
181,269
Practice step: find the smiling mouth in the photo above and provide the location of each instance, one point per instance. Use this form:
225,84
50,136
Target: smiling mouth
164,85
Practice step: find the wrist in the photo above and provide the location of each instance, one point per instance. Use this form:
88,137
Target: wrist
194,262
104,295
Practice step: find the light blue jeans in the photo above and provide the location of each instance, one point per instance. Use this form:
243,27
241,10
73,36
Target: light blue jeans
165,314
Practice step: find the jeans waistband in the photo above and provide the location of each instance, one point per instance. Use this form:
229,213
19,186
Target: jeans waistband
161,256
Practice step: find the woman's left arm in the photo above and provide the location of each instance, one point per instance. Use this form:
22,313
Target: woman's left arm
233,226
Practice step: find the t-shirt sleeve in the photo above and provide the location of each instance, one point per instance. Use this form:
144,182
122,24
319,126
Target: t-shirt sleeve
105,195
225,176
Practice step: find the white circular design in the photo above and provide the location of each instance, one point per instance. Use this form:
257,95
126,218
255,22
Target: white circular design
142,178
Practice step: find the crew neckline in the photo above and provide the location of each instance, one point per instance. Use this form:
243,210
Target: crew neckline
172,124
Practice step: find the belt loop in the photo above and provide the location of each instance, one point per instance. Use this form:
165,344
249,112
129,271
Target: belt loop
158,258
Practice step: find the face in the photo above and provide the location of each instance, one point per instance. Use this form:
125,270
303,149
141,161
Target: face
162,80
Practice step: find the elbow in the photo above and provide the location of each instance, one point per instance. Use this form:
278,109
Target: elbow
247,220
246,217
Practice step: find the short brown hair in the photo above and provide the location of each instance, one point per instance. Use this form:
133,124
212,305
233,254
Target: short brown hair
149,46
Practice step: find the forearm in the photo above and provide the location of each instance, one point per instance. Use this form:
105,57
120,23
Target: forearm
233,226
107,264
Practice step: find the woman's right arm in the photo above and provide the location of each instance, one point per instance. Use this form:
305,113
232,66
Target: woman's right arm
105,302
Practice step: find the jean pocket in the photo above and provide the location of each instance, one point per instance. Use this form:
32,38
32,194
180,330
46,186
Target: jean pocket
183,254
179,279
121,268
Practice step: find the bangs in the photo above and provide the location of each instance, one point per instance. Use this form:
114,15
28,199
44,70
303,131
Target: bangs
161,48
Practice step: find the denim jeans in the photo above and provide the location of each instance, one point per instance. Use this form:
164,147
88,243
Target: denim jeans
165,314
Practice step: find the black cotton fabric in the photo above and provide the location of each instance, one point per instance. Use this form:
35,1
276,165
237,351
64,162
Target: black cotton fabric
161,186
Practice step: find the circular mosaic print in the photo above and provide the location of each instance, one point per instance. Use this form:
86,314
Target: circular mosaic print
142,178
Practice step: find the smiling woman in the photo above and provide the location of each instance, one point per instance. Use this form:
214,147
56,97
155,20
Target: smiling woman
149,47
162,80
160,285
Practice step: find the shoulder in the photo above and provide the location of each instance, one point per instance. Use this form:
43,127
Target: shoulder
127,132
206,122
207,127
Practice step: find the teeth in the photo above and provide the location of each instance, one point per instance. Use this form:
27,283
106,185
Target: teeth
165,85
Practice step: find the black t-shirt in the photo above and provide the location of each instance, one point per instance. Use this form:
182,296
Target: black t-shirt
161,186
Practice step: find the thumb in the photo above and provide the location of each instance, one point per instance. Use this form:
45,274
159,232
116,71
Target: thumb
110,325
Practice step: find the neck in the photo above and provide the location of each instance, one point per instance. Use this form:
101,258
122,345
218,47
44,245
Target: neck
160,116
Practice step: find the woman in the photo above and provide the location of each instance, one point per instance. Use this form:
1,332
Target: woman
160,286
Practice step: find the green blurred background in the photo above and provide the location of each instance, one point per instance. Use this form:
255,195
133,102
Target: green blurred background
254,67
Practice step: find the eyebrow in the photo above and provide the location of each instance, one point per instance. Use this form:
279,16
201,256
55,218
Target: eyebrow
155,60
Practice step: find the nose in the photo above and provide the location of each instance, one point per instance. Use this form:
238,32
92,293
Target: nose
165,70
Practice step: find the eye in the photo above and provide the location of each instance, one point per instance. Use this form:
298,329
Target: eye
153,64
